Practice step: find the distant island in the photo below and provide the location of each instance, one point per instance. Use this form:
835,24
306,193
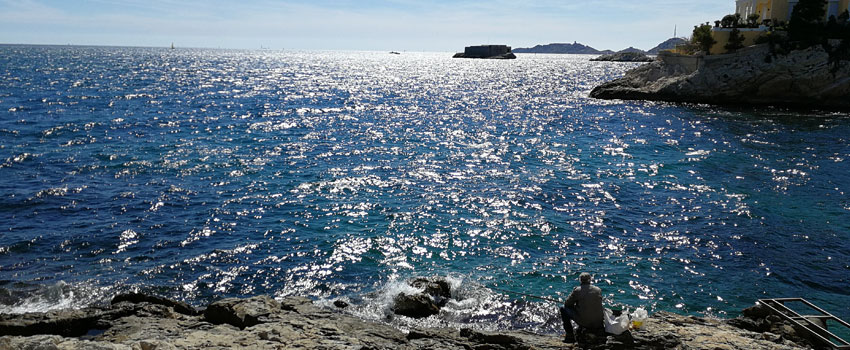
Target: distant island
577,48
574,48
502,52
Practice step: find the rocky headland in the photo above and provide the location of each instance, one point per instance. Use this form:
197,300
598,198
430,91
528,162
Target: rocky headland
668,44
752,76
624,57
144,322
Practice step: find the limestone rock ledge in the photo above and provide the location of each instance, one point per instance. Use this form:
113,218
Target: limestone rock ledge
803,78
296,323
623,57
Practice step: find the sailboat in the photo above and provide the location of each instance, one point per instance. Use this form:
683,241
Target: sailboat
172,45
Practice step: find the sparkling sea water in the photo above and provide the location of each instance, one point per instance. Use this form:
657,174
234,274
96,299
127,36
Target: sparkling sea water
204,174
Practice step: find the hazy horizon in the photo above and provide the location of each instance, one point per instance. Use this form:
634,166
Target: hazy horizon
344,25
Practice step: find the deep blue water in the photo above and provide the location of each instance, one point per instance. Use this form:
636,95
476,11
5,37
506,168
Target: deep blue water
202,174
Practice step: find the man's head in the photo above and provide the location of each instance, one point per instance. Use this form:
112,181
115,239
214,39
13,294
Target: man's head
585,278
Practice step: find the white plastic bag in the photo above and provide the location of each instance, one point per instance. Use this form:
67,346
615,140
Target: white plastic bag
616,325
639,315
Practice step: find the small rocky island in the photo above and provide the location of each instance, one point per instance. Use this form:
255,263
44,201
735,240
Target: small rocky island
801,78
144,322
499,52
629,56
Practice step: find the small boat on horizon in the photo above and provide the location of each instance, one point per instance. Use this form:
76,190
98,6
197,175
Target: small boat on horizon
395,53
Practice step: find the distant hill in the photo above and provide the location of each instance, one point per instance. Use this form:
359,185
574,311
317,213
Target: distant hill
669,44
631,49
578,48
574,48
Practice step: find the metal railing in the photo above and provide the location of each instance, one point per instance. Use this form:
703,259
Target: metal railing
820,332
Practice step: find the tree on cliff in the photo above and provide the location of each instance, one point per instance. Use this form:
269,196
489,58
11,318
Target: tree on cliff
731,21
753,20
806,24
736,41
844,16
702,38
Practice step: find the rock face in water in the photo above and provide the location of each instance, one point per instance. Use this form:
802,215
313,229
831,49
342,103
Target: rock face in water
751,76
296,323
435,294
415,306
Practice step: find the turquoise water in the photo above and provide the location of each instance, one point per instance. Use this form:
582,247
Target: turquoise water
203,174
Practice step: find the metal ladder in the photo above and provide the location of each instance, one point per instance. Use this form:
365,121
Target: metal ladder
777,306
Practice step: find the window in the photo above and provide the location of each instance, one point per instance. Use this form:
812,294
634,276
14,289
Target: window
832,10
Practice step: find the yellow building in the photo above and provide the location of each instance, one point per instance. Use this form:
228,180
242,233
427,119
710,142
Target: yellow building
774,10
780,10
721,38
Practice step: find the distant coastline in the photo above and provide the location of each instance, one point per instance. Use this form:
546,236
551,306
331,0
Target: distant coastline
577,48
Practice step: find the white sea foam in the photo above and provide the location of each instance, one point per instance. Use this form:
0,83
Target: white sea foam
57,296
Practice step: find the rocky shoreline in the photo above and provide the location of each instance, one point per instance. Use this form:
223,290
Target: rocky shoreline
752,76
624,57
144,322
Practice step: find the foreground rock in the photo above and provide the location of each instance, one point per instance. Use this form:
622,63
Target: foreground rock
624,57
296,323
434,295
803,78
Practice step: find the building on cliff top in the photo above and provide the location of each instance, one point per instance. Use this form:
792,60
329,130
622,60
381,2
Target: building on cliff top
774,10
780,10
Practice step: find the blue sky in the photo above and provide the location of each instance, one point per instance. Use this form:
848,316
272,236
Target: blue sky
353,25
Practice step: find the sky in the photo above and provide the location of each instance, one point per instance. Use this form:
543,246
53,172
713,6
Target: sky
380,25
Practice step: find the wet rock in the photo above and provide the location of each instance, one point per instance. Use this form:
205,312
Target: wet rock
437,287
136,298
436,292
69,323
415,306
756,312
340,304
241,313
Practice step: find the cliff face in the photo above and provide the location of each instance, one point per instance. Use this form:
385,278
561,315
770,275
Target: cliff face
802,78
144,323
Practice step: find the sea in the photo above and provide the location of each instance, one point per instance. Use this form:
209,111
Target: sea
202,174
